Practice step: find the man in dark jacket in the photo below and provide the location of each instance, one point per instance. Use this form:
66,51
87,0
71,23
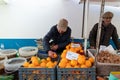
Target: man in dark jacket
57,38
108,31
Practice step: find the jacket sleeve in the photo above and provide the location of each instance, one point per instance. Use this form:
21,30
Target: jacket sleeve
67,36
93,35
46,40
115,38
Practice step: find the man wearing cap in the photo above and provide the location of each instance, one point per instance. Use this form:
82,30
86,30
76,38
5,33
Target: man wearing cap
57,38
108,31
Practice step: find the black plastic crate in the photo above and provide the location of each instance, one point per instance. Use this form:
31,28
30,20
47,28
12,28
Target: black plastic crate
76,73
37,73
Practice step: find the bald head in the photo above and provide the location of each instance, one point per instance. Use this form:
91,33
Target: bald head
62,24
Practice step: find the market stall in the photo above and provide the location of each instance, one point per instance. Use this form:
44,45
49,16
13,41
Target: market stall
75,62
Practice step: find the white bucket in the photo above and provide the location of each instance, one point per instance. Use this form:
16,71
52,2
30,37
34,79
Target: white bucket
8,52
13,64
28,51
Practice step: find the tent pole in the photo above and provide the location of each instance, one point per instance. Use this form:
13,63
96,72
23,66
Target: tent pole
83,19
86,24
99,28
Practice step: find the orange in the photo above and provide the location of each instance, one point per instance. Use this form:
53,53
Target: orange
63,55
43,65
81,56
35,62
81,59
62,64
50,64
88,63
55,55
33,58
43,60
48,59
26,64
65,60
73,62
68,64
91,59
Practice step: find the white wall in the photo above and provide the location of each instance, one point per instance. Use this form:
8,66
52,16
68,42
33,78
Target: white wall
34,18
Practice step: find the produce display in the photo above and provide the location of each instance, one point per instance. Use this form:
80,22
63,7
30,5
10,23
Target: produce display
38,69
81,62
77,67
107,57
107,62
36,62
69,67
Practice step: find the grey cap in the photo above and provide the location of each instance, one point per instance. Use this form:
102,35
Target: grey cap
107,14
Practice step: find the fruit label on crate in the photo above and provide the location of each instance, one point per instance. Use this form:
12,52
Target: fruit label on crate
72,55
75,45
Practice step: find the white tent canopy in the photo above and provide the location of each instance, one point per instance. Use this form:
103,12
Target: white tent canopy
115,3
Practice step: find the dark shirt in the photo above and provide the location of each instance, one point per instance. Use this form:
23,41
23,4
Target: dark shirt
107,32
54,37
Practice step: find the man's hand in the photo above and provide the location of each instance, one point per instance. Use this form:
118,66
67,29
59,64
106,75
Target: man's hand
51,54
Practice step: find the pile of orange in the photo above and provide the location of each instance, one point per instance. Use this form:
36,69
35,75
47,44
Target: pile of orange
36,62
81,62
